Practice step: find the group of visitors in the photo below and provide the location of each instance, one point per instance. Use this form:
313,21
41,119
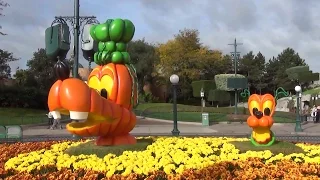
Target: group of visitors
53,123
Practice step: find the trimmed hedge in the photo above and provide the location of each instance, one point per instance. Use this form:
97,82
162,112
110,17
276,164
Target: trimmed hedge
219,96
222,80
222,110
302,73
207,85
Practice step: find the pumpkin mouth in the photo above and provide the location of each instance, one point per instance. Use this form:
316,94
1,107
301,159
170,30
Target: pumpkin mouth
261,135
85,119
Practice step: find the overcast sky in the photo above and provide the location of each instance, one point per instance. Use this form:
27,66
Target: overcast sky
268,26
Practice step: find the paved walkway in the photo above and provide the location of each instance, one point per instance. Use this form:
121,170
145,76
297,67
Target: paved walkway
160,127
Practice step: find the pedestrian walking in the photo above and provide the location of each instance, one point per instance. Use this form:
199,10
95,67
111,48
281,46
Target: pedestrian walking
314,112
50,119
56,123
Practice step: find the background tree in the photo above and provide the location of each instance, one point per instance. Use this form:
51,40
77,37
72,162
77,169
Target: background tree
184,55
2,5
5,58
40,67
276,67
253,67
143,57
214,62
24,78
302,75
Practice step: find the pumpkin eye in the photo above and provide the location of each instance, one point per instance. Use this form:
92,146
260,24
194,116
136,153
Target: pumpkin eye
254,107
106,85
267,107
267,112
104,93
94,83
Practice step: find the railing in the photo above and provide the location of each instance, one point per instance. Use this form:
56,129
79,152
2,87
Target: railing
215,114
11,132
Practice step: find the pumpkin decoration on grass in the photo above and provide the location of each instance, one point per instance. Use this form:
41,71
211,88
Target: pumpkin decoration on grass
261,108
103,104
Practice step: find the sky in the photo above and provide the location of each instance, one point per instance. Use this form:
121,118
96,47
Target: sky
267,26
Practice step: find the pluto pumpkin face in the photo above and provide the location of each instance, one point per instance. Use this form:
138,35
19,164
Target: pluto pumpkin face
261,108
115,82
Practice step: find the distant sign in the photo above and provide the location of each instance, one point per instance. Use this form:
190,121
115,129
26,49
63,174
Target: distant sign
237,83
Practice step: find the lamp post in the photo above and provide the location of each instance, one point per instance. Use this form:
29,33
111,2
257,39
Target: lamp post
202,96
298,127
174,79
236,57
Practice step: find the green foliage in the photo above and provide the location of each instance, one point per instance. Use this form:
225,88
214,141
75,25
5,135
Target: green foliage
275,76
222,80
5,58
253,67
293,71
278,147
219,96
23,97
144,58
2,5
302,74
148,98
101,151
40,67
207,85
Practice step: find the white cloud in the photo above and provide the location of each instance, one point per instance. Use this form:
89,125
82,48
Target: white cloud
266,26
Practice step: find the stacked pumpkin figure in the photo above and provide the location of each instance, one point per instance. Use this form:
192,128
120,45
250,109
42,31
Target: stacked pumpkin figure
112,36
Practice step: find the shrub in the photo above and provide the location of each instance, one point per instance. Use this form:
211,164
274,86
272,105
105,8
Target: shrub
222,80
148,98
207,85
219,96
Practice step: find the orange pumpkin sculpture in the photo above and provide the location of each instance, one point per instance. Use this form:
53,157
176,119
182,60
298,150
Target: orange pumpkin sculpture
261,108
104,103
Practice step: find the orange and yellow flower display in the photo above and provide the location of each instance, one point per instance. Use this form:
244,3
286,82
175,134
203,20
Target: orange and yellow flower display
165,158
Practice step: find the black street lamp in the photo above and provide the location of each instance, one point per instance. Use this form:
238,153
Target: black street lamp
174,79
298,127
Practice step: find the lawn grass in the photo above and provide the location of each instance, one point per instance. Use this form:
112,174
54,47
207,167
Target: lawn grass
144,106
21,116
312,91
196,117
278,147
89,148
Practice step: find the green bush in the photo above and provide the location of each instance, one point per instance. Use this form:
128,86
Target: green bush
148,98
186,108
207,85
222,80
23,97
219,95
223,110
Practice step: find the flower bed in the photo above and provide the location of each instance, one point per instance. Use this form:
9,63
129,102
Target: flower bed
165,158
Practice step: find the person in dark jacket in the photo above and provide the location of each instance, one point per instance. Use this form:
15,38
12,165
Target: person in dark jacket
318,115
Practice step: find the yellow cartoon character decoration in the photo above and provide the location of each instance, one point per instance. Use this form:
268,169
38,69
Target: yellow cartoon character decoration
261,108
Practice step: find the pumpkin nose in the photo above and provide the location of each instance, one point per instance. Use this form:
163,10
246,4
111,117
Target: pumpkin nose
258,114
104,93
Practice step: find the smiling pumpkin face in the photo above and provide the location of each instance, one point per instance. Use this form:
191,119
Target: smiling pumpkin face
115,82
261,108
104,104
